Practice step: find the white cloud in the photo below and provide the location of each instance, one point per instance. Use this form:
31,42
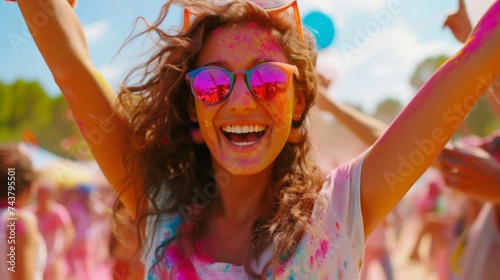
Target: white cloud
476,8
381,69
95,31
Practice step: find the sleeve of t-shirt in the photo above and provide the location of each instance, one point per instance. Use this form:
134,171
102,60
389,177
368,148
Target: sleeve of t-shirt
343,200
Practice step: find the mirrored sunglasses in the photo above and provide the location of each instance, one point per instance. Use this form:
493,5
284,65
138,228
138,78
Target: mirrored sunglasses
268,81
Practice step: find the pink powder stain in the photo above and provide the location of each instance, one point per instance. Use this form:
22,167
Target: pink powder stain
323,249
280,271
337,225
164,140
184,268
81,126
311,261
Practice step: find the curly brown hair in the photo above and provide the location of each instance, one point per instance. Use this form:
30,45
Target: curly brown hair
163,155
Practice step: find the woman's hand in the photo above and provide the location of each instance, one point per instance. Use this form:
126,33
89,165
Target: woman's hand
472,171
459,23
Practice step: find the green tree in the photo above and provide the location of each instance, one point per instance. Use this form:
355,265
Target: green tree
387,110
25,106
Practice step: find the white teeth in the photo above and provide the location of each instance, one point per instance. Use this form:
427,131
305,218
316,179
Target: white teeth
244,143
243,129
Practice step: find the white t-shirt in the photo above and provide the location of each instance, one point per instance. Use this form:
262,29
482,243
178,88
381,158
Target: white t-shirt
335,252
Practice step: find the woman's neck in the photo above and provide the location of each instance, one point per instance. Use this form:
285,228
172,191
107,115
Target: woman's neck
242,198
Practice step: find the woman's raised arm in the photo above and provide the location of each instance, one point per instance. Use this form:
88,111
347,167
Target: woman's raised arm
63,46
419,133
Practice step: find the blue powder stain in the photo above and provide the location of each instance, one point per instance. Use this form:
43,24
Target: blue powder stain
227,267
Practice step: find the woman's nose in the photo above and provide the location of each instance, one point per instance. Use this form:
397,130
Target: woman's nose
241,98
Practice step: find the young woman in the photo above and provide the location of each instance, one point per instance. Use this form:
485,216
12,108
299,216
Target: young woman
210,153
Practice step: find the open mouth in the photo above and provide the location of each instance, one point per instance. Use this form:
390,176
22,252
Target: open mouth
244,135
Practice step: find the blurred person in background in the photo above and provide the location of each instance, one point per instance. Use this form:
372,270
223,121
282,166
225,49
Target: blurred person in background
437,220
476,172
23,254
80,258
54,223
376,251
89,251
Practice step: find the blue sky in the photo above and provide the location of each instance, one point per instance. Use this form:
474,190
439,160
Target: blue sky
377,44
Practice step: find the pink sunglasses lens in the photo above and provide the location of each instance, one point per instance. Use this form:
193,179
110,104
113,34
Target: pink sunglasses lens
211,85
269,82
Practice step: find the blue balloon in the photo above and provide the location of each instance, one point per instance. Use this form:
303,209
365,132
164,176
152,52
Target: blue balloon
321,26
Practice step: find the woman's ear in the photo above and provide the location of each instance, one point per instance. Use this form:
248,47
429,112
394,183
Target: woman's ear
194,130
191,110
299,107
297,132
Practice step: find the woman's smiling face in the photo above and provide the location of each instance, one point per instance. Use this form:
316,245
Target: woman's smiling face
244,134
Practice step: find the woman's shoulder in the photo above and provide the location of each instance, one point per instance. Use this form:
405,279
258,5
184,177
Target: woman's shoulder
341,198
345,176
